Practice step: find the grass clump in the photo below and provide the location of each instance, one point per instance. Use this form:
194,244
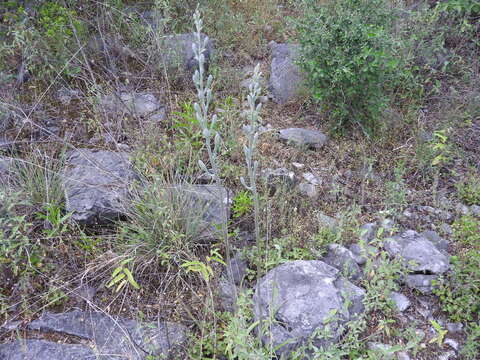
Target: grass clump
347,53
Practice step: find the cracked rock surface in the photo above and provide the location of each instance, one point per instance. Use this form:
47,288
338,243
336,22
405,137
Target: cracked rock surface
302,296
108,337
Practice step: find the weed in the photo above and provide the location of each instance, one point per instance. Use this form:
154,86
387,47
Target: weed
162,228
471,347
187,127
40,177
469,189
18,252
242,204
121,276
460,290
441,332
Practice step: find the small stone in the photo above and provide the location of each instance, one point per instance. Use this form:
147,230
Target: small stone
402,303
368,232
462,209
312,178
237,267
452,343
475,210
263,99
280,176
422,283
447,356
327,221
403,355
304,137
286,78
455,327
308,190
357,254
384,350
446,229
298,165
343,259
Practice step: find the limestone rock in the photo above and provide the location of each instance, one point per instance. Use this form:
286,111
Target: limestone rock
144,105
27,349
344,260
419,253
123,338
205,206
304,137
96,185
286,79
401,301
302,295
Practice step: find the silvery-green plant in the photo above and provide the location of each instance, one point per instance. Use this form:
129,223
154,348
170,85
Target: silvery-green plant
249,149
204,95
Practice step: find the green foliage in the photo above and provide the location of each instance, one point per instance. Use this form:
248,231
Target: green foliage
242,204
469,189
18,252
397,189
463,7
204,268
283,250
39,177
46,44
55,220
162,229
460,290
441,332
241,342
440,147
348,55
186,126
121,276
471,348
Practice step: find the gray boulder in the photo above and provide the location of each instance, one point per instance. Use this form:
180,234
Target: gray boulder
144,105
115,337
304,137
302,296
96,185
29,349
420,254
286,79
344,260
207,207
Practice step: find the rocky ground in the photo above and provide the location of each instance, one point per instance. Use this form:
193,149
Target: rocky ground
359,233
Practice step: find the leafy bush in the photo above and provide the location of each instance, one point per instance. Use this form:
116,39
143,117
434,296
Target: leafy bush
347,53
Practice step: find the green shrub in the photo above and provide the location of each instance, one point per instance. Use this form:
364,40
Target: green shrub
347,54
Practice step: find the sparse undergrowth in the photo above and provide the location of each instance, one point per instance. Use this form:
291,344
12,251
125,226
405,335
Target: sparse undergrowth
408,75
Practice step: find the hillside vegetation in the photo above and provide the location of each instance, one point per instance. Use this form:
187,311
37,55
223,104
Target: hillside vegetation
240,179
